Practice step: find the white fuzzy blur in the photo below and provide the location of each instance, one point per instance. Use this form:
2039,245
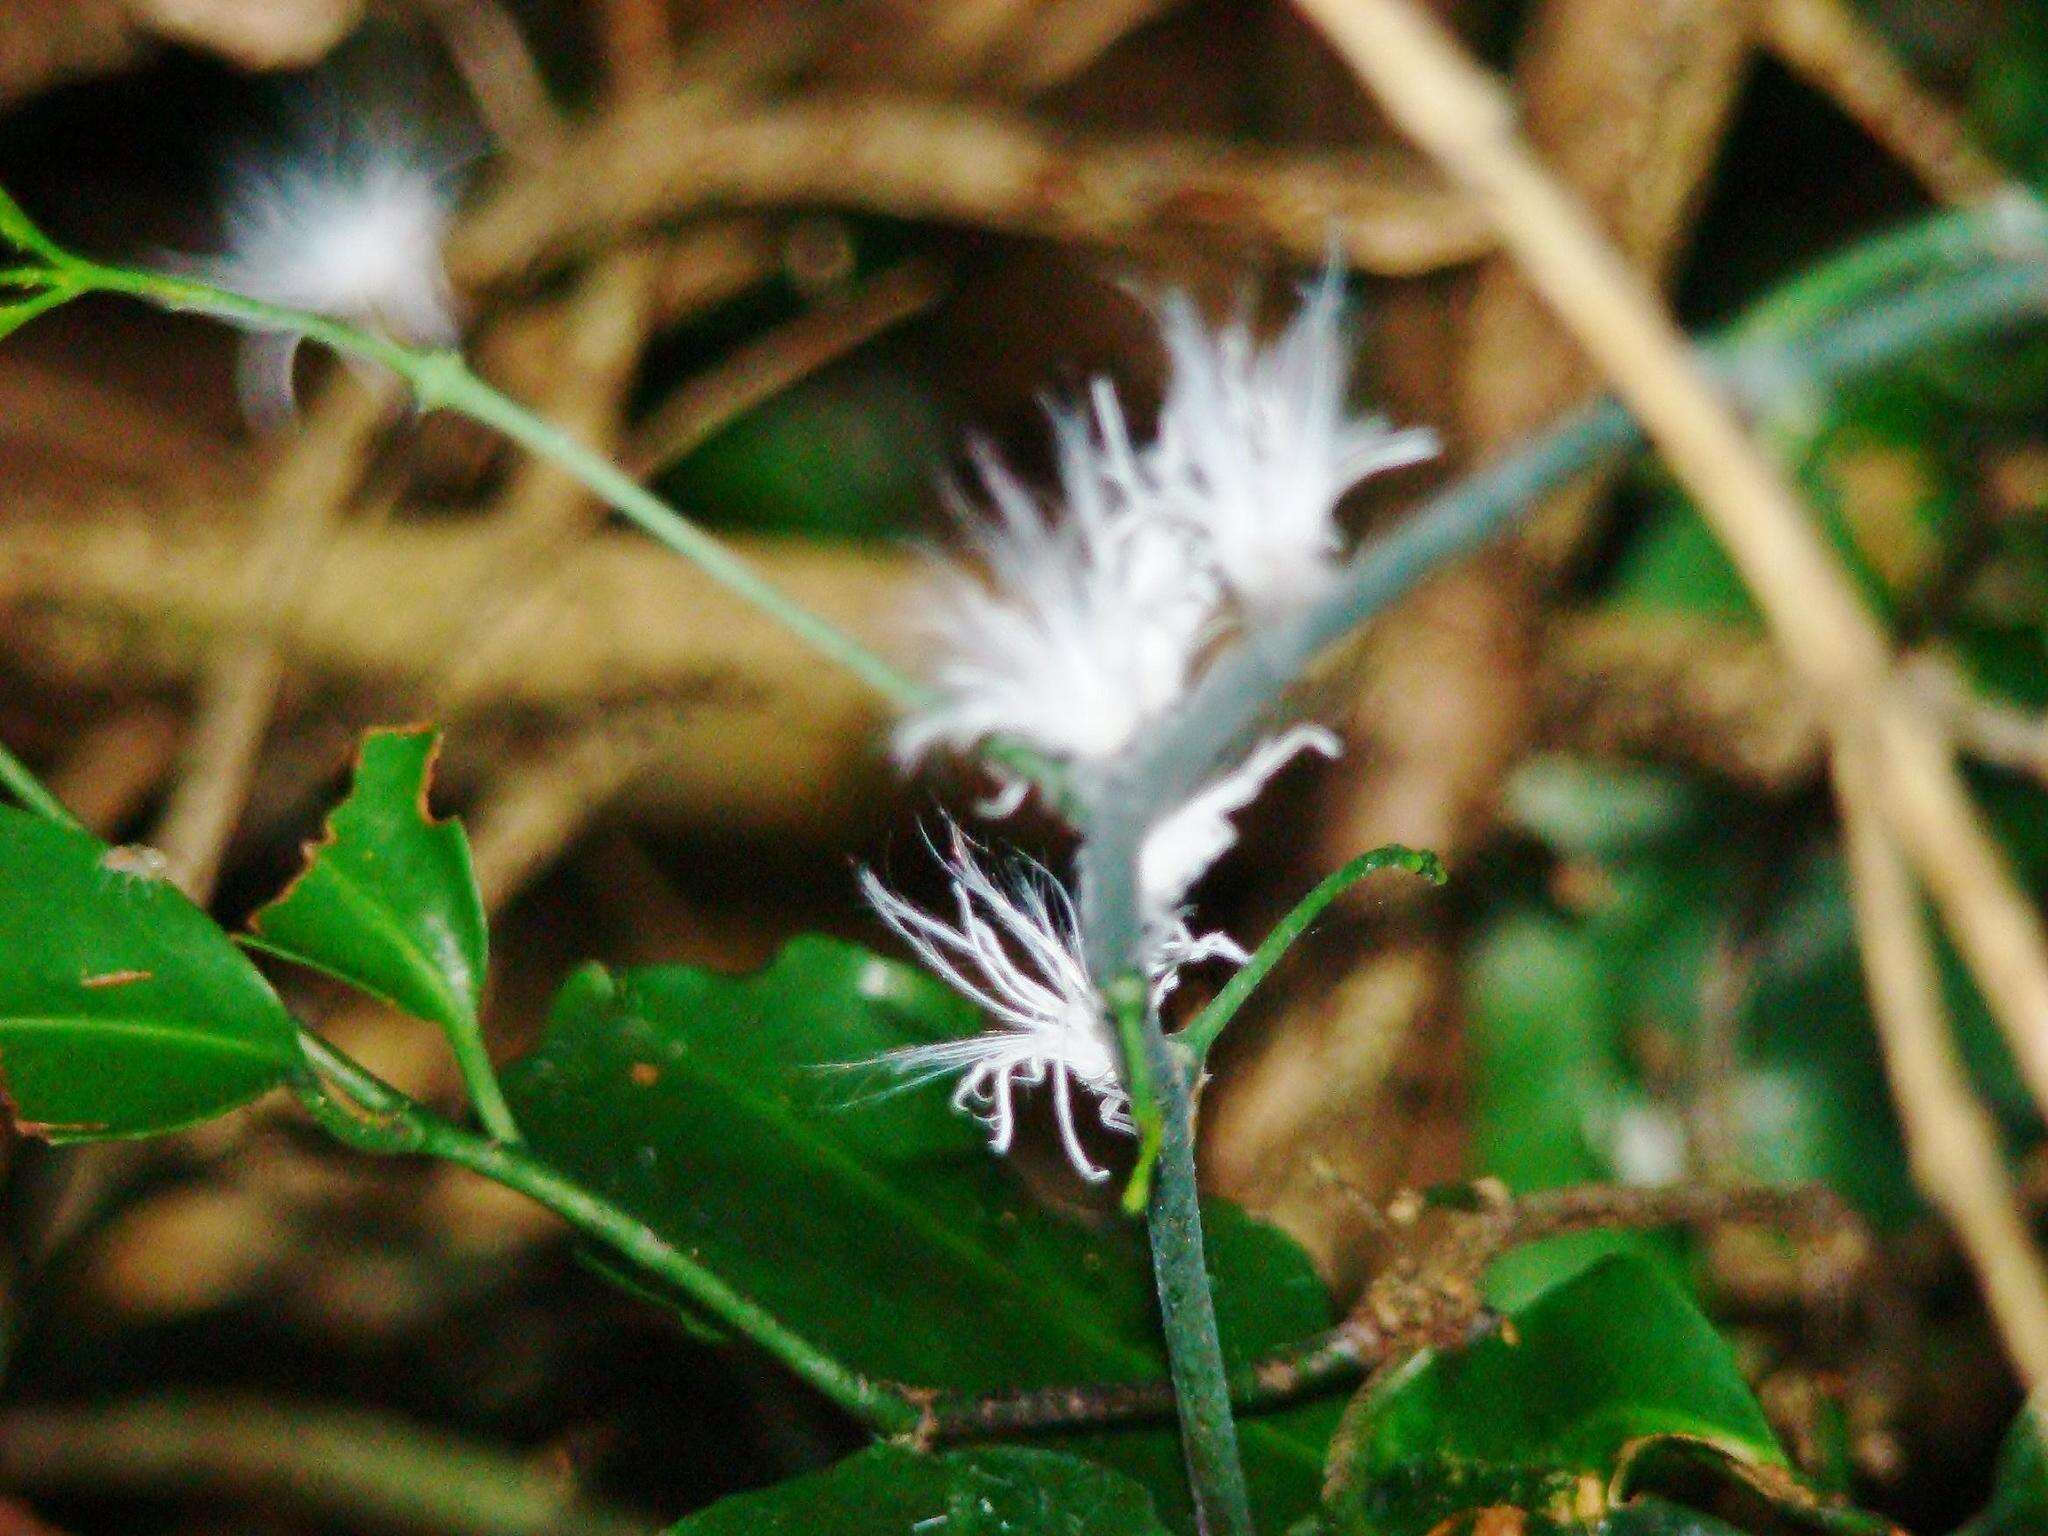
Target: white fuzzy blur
1081,625
1081,629
351,230
1257,447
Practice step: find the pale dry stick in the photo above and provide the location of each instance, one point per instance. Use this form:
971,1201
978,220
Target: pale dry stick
111,769
360,1470
955,42
545,509
1060,38
301,503
499,73
1835,49
1465,121
938,160
1950,1136
537,806
1987,730
774,362
634,37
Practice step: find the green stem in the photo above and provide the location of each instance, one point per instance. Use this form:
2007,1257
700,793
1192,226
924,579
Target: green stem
480,1079
1201,1032
1187,1306
443,380
386,1121
19,782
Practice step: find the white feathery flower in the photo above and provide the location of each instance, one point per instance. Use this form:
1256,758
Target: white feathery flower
1183,844
1080,631
1015,951
352,228
1256,445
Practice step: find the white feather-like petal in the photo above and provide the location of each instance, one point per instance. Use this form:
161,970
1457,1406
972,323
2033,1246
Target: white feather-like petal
1014,949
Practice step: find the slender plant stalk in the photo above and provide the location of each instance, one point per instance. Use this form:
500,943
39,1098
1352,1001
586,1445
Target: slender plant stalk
387,1121
30,791
1201,1032
1187,1305
480,1080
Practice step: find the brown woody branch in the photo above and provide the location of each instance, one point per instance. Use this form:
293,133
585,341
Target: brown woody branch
1427,1298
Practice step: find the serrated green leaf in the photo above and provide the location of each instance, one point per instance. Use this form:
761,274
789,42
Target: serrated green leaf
889,1491
1552,1416
124,1010
723,1111
388,900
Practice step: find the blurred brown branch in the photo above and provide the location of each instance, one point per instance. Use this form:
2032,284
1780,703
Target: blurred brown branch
697,149
336,1463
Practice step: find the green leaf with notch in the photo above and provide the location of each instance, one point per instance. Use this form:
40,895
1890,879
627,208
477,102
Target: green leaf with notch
124,1009
994,1491
724,1112
1599,1385
388,900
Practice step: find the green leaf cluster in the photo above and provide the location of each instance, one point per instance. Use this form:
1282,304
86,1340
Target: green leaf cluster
743,1119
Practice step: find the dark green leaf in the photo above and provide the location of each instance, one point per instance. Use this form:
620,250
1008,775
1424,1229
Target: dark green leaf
1553,1088
889,1491
1552,1417
2019,1504
732,1115
388,901
124,1010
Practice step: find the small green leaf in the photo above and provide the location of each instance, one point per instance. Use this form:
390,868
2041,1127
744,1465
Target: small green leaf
388,900
124,1010
1554,1416
888,1491
732,1115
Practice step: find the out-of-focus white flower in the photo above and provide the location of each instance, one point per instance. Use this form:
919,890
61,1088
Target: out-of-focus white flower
1014,949
1185,841
1079,631
1257,445
349,227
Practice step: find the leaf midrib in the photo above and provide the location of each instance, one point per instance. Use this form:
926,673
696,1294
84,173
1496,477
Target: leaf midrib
361,894
153,1028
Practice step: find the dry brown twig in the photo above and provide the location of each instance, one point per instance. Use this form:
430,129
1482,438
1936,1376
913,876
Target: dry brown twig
1950,1136
1429,1295
1462,119
693,149
765,367
499,73
1838,52
299,507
